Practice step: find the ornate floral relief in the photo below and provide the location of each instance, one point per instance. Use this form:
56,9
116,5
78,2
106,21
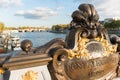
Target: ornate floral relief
109,49
30,75
80,51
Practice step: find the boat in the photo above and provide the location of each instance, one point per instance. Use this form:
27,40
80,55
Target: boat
15,43
9,43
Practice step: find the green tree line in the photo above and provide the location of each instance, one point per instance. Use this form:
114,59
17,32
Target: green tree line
10,28
2,27
60,27
113,24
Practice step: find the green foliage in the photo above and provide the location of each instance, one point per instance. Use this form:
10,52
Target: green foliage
10,28
1,26
113,24
23,27
60,27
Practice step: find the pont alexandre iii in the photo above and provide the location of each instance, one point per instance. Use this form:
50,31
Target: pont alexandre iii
87,53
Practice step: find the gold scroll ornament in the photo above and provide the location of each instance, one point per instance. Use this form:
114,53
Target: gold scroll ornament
80,50
30,75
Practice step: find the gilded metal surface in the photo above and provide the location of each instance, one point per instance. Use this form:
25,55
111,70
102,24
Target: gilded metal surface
2,70
80,50
109,49
30,75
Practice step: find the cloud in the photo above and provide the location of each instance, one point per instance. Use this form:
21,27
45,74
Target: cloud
105,8
38,13
7,3
108,8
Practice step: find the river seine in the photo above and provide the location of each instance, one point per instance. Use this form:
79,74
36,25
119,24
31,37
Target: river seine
38,38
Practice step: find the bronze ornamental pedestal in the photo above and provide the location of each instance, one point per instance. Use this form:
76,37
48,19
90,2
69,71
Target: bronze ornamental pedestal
89,54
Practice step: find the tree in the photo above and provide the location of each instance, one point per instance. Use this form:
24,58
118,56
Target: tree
113,24
1,27
60,27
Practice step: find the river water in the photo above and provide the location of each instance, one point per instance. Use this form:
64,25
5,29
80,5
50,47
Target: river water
38,38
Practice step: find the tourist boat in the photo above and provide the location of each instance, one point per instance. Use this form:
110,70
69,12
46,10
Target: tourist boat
9,43
15,43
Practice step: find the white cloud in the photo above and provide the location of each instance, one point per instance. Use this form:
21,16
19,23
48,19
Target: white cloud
6,3
38,13
108,8
105,8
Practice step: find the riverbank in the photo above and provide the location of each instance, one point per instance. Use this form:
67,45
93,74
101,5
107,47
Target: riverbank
59,32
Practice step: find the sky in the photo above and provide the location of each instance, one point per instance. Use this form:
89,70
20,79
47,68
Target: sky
36,13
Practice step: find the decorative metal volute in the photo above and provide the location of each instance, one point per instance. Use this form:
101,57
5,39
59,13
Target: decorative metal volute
89,52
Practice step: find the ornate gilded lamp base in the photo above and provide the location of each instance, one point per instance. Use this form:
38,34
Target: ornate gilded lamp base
89,54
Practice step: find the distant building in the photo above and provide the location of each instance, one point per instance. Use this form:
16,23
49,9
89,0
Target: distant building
111,19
